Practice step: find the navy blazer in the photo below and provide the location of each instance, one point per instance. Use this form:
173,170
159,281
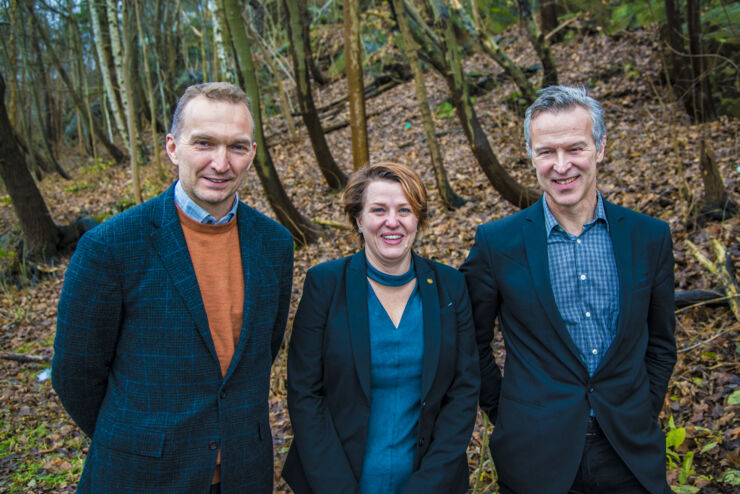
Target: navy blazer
136,368
329,380
541,406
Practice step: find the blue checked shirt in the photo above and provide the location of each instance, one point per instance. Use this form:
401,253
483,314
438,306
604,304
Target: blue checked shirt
584,279
190,208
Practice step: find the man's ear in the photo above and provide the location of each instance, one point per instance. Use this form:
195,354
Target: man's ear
602,150
170,146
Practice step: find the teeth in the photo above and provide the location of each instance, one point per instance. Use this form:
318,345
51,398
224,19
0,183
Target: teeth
565,181
392,237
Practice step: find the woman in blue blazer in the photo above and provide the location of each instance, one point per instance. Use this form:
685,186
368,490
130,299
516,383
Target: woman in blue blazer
382,368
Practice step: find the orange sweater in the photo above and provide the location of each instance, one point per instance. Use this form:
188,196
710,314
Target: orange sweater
216,257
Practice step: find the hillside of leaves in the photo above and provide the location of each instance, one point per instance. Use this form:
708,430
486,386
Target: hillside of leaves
651,166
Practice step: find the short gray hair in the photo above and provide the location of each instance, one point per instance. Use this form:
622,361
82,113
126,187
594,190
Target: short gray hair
217,91
558,98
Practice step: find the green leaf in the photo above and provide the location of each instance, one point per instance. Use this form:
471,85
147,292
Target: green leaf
684,489
734,398
709,355
708,447
675,437
731,476
686,469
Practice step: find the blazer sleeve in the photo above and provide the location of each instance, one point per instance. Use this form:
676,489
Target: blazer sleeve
456,418
484,297
661,351
285,277
322,456
88,319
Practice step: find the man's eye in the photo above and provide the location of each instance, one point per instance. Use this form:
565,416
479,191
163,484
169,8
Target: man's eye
201,144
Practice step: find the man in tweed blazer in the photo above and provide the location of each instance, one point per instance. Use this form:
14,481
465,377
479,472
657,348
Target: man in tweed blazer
174,404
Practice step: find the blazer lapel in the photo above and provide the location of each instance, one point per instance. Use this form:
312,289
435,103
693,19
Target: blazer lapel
169,244
249,249
621,236
427,284
535,241
357,317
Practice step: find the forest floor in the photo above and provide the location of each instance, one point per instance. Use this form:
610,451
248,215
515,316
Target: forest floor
651,148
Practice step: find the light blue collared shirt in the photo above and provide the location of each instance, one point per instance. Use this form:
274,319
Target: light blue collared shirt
585,283
193,211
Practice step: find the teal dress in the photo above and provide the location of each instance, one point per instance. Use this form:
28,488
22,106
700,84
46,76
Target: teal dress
396,356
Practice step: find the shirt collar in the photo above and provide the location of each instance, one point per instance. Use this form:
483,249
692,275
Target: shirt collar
197,213
599,215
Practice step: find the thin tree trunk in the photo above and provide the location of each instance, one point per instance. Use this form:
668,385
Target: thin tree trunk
104,62
150,95
334,176
355,86
127,93
492,49
548,15
268,57
509,188
449,198
679,68
223,71
115,153
549,71
702,89
302,230
39,231
716,203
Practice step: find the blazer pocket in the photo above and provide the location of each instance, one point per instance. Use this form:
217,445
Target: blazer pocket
129,438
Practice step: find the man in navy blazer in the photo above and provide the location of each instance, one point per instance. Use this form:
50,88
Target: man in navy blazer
172,403
583,291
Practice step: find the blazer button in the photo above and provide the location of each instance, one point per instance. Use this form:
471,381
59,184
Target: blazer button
591,389
223,394
421,443
213,445
423,404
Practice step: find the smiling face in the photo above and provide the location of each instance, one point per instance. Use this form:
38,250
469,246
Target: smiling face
213,152
565,157
388,225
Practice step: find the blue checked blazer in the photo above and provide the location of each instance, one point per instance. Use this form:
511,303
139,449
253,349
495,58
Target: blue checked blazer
136,368
541,404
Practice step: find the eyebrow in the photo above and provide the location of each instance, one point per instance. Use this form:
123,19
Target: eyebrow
206,137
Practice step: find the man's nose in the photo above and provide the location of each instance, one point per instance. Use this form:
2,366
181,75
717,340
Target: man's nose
220,160
562,164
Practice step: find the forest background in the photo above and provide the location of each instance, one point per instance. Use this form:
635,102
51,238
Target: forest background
441,85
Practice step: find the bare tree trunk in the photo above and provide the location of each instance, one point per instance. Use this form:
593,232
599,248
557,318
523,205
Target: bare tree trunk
334,176
509,188
150,95
39,231
492,49
679,68
355,86
268,57
222,69
548,15
716,203
104,62
702,90
126,94
449,198
302,230
549,71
